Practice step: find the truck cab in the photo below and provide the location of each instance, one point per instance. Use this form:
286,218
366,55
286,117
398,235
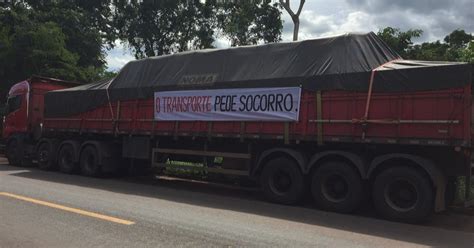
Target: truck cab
23,117
16,111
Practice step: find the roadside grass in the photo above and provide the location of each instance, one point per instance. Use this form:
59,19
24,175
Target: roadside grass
461,190
185,169
198,171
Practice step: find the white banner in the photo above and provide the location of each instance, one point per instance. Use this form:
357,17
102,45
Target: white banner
250,104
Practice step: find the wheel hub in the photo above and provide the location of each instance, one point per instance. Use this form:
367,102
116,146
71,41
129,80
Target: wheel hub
281,182
43,156
401,195
67,158
335,188
12,150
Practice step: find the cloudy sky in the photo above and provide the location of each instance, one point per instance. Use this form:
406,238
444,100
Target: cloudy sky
321,18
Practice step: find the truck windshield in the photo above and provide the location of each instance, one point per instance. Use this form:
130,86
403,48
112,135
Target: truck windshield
13,104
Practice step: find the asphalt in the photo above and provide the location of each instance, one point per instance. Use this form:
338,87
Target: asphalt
180,213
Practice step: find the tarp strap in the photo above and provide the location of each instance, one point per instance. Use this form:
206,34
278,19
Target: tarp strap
286,134
153,127
209,131
242,131
110,103
176,129
319,117
117,122
365,118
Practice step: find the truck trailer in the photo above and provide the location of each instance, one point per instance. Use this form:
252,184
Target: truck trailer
343,119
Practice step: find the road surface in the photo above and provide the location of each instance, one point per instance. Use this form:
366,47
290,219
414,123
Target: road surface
48,209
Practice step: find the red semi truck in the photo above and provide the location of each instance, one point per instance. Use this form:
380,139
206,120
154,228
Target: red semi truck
344,118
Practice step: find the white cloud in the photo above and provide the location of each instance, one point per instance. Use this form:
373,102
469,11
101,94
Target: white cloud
222,42
118,57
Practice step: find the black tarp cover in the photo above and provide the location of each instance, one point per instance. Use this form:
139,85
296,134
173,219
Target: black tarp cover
337,63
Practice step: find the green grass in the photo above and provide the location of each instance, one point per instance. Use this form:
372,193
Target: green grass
185,169
190,170
461,190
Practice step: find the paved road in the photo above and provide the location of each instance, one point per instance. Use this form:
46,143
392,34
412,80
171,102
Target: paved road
48,209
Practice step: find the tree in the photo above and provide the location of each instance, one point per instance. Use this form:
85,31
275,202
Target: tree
456,46
5,56
154,28
467,54
249,22
458,38
51,40
41,49
35,49
400,41
295,17
87,25
433,51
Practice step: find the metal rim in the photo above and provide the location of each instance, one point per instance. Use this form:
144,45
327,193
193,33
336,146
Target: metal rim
335,188
281,182
12,148
89,161
67,159
43,154
401,194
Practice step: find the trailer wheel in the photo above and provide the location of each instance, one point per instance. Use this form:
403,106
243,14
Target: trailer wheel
14,152
46,157
282,181
66,159
89,162
338,187
403,194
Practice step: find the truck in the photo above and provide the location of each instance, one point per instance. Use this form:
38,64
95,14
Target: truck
343,120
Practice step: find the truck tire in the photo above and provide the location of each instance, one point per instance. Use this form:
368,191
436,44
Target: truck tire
403,194
89,162
14,152
337,186
66,159
282,181
45,155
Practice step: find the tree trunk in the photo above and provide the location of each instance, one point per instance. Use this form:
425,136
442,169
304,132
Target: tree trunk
294,16
296,29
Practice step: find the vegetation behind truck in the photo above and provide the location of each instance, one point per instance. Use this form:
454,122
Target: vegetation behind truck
344,118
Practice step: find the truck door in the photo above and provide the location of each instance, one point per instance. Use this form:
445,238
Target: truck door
16,118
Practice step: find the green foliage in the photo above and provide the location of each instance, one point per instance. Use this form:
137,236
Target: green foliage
55,42
61,39
5,50
458,38
398,40
460,194
457,46
40,49
248,23
162,27
154,28
434,51
68,39
467,54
